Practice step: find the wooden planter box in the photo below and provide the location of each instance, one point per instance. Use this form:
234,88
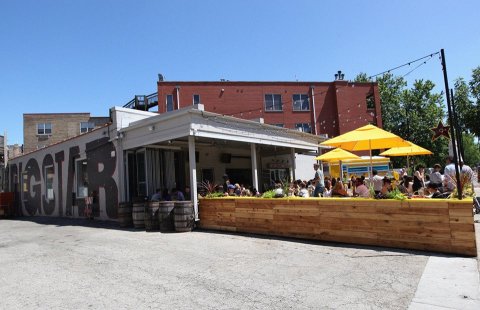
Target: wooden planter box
420,224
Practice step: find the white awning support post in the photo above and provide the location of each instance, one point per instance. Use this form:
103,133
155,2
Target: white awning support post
292,169
193,174
253,151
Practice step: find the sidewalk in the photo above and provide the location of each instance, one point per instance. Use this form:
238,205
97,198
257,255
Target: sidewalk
451,282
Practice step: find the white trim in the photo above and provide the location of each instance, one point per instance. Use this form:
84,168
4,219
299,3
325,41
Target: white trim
76,178
193,173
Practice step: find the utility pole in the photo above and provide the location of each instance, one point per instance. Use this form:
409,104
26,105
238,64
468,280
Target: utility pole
452,124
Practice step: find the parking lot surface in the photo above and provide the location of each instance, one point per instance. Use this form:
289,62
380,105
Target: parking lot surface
53,263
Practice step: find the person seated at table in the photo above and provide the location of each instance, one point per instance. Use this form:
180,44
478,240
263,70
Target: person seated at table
303,192
386,188
387,185
433,191
230,190
293,189
166,195
339,190
405,185
328,188
279,190
311,187
436,177
177,195
361,190
157,196
334,181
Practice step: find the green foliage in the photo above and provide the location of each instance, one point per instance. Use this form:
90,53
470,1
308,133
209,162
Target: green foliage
464,107
470,150
411,113
362,78
215,195
396,194
269,194
208,189
475,93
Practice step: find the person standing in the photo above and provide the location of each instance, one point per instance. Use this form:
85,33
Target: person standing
319,181
377,182
449,174
419,178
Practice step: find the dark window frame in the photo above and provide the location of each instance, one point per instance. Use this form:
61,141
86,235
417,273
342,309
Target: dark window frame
43,129
302,126
272,107
301,101
167,103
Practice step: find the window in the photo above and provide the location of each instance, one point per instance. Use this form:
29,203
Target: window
86,127
279,125
50,173
25,182
273,102
301,102
196,99
141,174
44,128
169,103
370,101
305,127
82,179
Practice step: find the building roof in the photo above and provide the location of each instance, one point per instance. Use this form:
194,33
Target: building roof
194,121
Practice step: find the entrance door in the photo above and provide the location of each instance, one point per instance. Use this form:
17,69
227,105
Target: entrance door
136,170
240,176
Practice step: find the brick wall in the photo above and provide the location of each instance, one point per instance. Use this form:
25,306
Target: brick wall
340,106
64,126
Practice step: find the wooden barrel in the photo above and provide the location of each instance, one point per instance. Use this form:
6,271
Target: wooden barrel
138,214
125,214
165,215
183,216
151,217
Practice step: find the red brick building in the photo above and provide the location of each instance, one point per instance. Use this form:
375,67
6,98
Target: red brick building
329,108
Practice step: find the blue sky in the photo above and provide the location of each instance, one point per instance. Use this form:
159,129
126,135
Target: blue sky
90,55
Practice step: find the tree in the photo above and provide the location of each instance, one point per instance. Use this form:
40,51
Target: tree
471,151
424,109
362,78
475,93
464,107
391,93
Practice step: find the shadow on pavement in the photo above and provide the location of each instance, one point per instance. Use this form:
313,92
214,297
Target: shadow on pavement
379,249
61,221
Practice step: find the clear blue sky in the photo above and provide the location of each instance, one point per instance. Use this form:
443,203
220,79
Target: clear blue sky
90,55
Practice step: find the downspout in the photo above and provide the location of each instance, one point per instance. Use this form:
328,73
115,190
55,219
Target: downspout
314,121
178,97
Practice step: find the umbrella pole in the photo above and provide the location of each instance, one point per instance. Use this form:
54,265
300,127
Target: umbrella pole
370,171
408,165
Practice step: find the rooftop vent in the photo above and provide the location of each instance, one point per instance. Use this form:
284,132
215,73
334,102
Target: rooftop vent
339,76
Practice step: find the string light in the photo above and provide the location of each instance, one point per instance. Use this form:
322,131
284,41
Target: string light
404,65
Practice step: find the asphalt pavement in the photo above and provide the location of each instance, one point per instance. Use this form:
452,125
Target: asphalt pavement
52,263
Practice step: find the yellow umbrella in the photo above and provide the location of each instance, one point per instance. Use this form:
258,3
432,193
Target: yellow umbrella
365,138
411,150
368,137
336,155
